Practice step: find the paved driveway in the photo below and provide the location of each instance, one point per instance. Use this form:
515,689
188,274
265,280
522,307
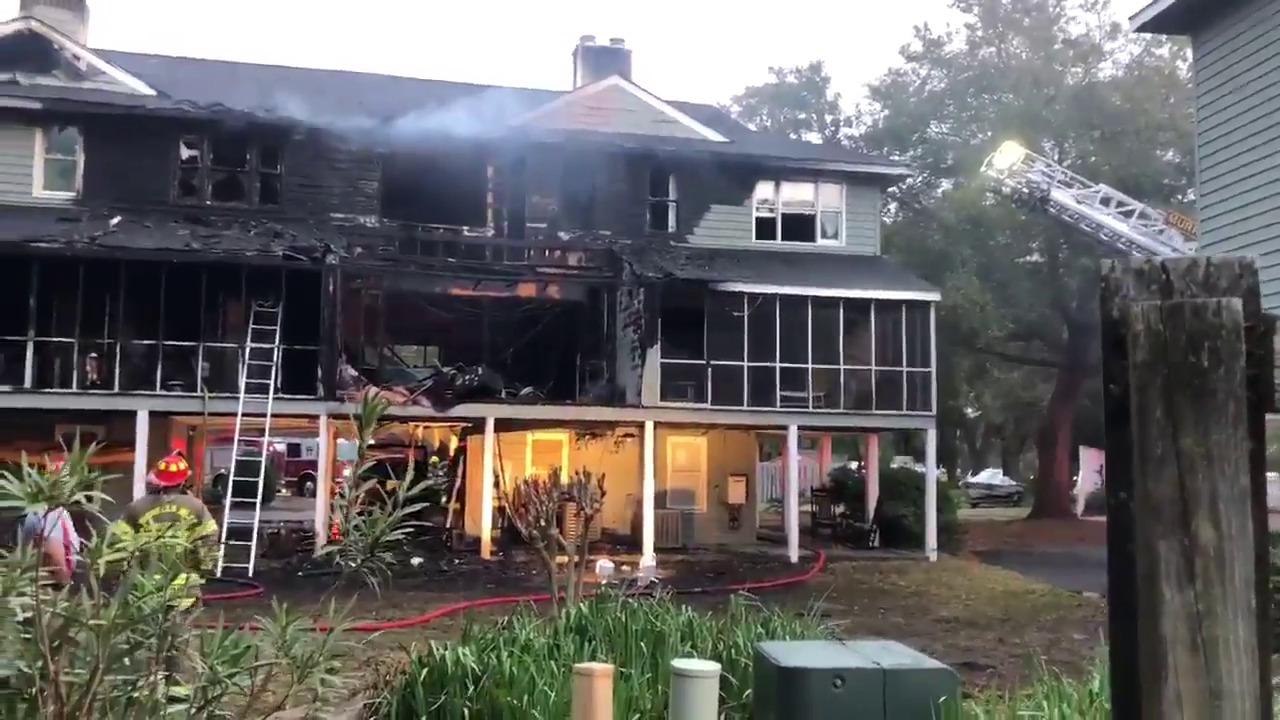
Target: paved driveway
1079,569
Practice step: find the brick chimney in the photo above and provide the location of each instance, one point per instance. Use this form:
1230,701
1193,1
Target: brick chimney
70,17
593,63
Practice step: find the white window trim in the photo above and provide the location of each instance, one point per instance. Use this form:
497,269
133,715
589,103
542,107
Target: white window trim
818,240
672,200
37,170
701,504
558,435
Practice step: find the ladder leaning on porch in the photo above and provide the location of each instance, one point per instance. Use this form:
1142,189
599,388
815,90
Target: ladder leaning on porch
238,546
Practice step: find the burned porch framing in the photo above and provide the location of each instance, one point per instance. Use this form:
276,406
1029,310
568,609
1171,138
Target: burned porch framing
98,325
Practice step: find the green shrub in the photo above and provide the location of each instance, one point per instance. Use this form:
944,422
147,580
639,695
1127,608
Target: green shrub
116,645
1052,696
901,507
520,666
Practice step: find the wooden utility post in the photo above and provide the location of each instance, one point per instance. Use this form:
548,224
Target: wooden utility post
1187,370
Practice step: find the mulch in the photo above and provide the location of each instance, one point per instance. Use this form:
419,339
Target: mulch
442,578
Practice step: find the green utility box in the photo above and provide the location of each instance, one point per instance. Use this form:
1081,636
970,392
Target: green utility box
851,680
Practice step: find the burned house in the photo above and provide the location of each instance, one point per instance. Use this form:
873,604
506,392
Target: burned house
593,277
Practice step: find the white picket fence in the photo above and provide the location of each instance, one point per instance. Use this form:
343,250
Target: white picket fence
771,477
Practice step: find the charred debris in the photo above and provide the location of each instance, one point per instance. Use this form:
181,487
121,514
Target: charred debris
490,273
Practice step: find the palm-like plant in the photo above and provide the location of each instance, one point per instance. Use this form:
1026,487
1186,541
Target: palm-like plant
107,646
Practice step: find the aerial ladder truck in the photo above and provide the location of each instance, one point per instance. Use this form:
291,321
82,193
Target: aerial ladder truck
1115,221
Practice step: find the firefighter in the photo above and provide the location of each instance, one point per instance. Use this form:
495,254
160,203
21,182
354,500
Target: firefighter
168,507
167,514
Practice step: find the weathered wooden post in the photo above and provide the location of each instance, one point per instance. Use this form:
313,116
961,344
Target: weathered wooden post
1186,362
592,692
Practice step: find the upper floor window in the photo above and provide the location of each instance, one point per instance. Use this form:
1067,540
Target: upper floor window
228,169
662,200
799,212
59,161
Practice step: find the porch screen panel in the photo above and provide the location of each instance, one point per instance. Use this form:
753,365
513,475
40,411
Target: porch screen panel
796,352
103,325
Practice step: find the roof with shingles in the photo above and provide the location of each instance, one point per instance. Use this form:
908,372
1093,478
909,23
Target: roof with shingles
344,98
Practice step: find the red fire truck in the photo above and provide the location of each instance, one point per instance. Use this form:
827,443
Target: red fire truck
296,458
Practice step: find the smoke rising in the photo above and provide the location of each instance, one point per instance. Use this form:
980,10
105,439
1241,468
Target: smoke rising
482,113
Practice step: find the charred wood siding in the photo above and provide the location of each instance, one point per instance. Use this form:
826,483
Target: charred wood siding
133,161
629,345
129,161
715,202
325,175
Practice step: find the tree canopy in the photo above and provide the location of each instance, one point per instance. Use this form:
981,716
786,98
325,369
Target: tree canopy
1018,322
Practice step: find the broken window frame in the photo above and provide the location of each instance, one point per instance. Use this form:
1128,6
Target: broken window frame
768,202
910,372
255,169
114,321
668,202
40,173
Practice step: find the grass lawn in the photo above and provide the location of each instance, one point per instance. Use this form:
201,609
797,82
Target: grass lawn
993,626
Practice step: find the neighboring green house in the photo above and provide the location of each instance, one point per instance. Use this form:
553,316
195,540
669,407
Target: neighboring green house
1236,61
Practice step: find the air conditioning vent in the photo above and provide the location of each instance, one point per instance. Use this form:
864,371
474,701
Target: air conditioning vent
668,529
570,524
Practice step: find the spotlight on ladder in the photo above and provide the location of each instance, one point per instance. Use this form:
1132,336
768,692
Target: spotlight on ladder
1008,155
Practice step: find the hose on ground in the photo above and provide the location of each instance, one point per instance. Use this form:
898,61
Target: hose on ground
251,589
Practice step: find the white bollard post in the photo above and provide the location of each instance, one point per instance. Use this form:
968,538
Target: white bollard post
695,690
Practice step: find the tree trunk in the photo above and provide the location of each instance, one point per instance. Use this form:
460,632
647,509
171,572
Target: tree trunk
1053,445
1010,458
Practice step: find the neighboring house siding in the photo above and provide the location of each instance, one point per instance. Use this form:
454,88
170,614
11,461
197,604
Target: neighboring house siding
1237,80
725,224
17,160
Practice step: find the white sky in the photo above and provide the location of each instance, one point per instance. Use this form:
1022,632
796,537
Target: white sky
695,50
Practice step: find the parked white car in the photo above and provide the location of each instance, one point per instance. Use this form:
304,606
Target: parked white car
992,487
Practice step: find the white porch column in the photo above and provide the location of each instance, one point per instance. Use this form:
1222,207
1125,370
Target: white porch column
324,481
648,493
141,451
931,494
871,473
791,494
486,491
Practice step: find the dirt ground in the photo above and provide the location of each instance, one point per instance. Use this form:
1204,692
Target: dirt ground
1008,528
443,578
993,626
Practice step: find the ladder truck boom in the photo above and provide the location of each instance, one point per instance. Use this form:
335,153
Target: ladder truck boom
1114,220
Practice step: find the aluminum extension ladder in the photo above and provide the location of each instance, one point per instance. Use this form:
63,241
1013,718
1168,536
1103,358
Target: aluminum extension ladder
250,452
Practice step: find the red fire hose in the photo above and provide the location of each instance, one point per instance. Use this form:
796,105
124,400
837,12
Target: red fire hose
252,589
